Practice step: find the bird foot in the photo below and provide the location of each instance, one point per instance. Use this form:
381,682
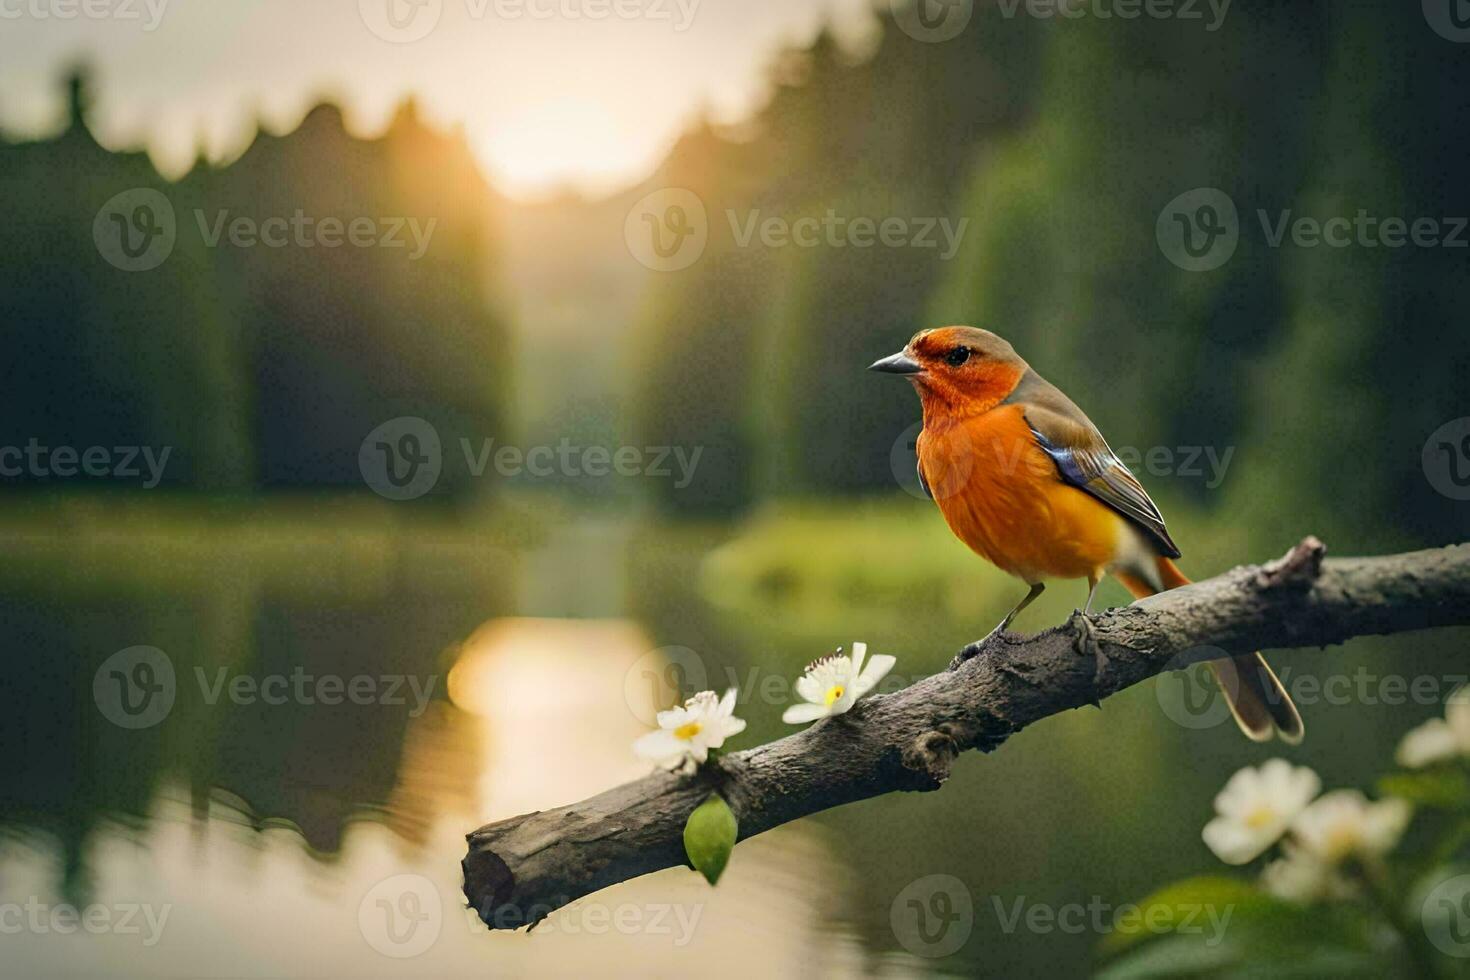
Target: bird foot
972,650
1086,641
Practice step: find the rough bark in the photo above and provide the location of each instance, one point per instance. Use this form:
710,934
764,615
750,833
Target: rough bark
519,870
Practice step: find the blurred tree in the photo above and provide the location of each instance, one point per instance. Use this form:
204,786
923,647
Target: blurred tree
1061,141
260,364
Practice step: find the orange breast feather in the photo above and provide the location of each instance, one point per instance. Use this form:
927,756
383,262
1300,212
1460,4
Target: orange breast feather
1002,496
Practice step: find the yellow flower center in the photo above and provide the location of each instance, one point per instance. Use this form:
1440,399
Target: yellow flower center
1340,841
687,731
1260,817
833,694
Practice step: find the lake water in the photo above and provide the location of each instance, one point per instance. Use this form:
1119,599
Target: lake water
252,748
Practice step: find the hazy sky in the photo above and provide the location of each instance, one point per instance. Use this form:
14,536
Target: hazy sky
548,90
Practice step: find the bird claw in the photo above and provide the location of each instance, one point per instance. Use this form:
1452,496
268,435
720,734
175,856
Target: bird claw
972,650
1086,641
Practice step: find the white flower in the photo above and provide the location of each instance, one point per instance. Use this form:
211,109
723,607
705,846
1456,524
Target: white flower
1255,808
1299,876
1345,824
1439,739
1434,741
833,684
685,735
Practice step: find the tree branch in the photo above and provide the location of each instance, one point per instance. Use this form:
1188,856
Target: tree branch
519,870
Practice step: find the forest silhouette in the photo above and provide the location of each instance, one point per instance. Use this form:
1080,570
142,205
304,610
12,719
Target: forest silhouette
259,365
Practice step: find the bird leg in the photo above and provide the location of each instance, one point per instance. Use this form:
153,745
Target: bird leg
1093,581
972,649
1086,635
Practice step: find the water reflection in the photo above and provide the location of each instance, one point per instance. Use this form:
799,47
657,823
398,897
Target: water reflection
279,832
199,883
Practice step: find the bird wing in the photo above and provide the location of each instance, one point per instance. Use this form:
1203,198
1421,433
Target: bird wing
1084,459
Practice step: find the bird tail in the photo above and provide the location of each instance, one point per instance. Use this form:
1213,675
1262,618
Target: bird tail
1257,700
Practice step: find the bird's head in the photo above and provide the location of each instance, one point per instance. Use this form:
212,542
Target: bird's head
957,370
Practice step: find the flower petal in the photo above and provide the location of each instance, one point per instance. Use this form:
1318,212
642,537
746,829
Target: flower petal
1457,716
799,714
1232,842
672,718
1384,823
807,687
723,728
659,747
1299,877
874,672
1433,741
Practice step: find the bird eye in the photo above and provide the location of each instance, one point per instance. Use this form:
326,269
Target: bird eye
957,356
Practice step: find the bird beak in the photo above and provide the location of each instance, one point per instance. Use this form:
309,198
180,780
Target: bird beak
899,363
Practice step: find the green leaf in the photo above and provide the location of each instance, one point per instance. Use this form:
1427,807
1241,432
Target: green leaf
1213,925
1183,901
1435,788
709,837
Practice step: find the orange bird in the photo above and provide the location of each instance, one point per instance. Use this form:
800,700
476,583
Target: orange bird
1024,478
